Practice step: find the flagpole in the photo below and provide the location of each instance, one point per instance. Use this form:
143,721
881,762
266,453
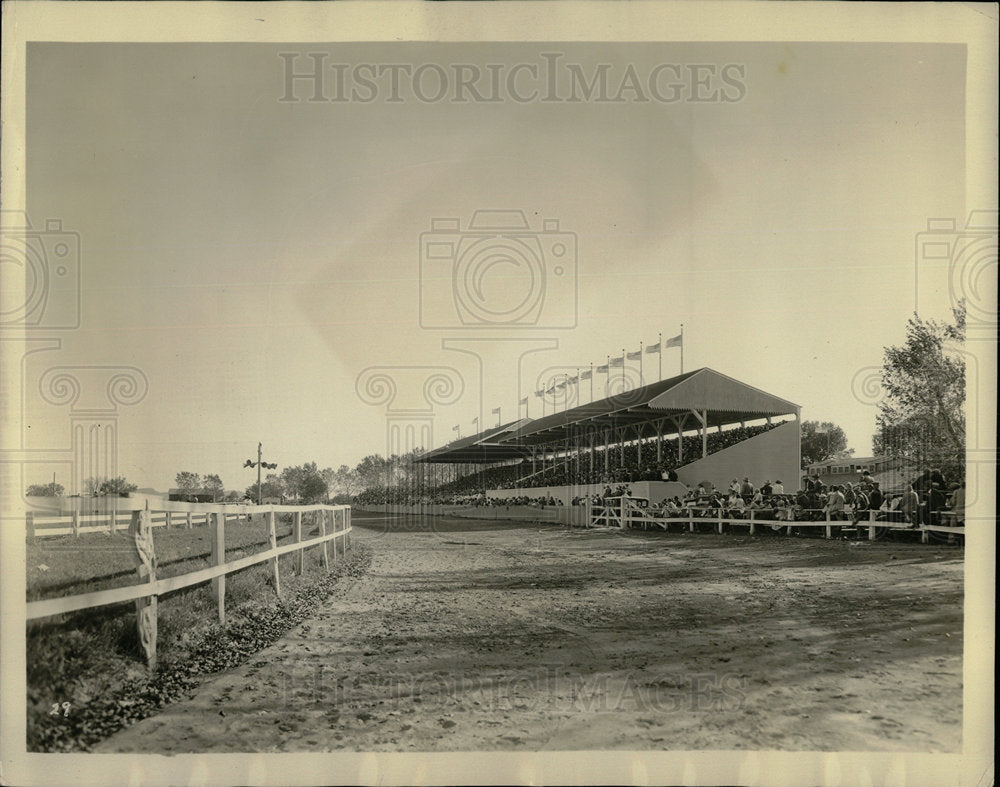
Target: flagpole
607,378
592,382
640,362
659,360
682,348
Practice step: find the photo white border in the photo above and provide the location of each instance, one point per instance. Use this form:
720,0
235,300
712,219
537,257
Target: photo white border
974,25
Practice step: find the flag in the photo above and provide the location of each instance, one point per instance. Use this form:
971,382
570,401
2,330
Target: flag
539,393
524,401
616,363
573,380
476,421
586,375
676,341
653,348
636,356
602,369
496,411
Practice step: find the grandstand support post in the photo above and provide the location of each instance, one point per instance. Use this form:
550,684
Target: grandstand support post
704,433
871,525
753,526
659,442
607,447
623,521
829,529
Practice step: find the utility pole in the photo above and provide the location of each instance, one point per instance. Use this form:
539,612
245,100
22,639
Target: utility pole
259,464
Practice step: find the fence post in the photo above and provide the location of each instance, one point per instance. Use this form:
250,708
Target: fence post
76,524
218,536
753,527
187,522
871,525
168,519
322,532
829,529
145,558
113,521
718,517
273,534
347,527
690,519
297,536
790,514
29,521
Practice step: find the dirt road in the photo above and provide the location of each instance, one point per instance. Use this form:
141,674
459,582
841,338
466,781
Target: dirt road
473,636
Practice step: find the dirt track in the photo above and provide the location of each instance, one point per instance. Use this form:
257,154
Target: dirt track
479,635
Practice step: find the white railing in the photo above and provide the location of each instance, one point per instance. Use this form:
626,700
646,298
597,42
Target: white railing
141,522
625,512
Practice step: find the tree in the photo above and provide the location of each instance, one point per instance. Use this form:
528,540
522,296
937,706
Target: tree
46,490
271,486
921,421
346,481
305,482
213,484
188,482
822,441
119,486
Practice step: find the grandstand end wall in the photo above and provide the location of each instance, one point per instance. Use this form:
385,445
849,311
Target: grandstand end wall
771,456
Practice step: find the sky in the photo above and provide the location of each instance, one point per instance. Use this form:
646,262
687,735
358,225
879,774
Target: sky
257,260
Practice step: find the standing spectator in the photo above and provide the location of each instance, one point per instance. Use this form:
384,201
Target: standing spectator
765,490
958,503
861,504
734,487
875,497
935,502
835,503
779,488
910,505
746,490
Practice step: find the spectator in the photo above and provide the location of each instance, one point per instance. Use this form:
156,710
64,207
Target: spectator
746,490
958,503
875,497
835,504
766,489
910,505
778,488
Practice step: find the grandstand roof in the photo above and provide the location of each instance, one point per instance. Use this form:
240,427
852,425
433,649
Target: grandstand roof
482,447
727,401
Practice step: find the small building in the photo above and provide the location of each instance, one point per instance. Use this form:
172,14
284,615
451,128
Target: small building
892,474
196,495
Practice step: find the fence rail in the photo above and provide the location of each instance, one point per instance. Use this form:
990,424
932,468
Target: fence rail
146,593
625,513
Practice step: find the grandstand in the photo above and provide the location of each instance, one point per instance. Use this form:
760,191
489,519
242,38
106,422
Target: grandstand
695,428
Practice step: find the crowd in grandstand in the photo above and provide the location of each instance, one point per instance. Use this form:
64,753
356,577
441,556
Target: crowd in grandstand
634,463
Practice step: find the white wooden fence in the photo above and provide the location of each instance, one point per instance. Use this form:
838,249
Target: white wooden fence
625,512
334,523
